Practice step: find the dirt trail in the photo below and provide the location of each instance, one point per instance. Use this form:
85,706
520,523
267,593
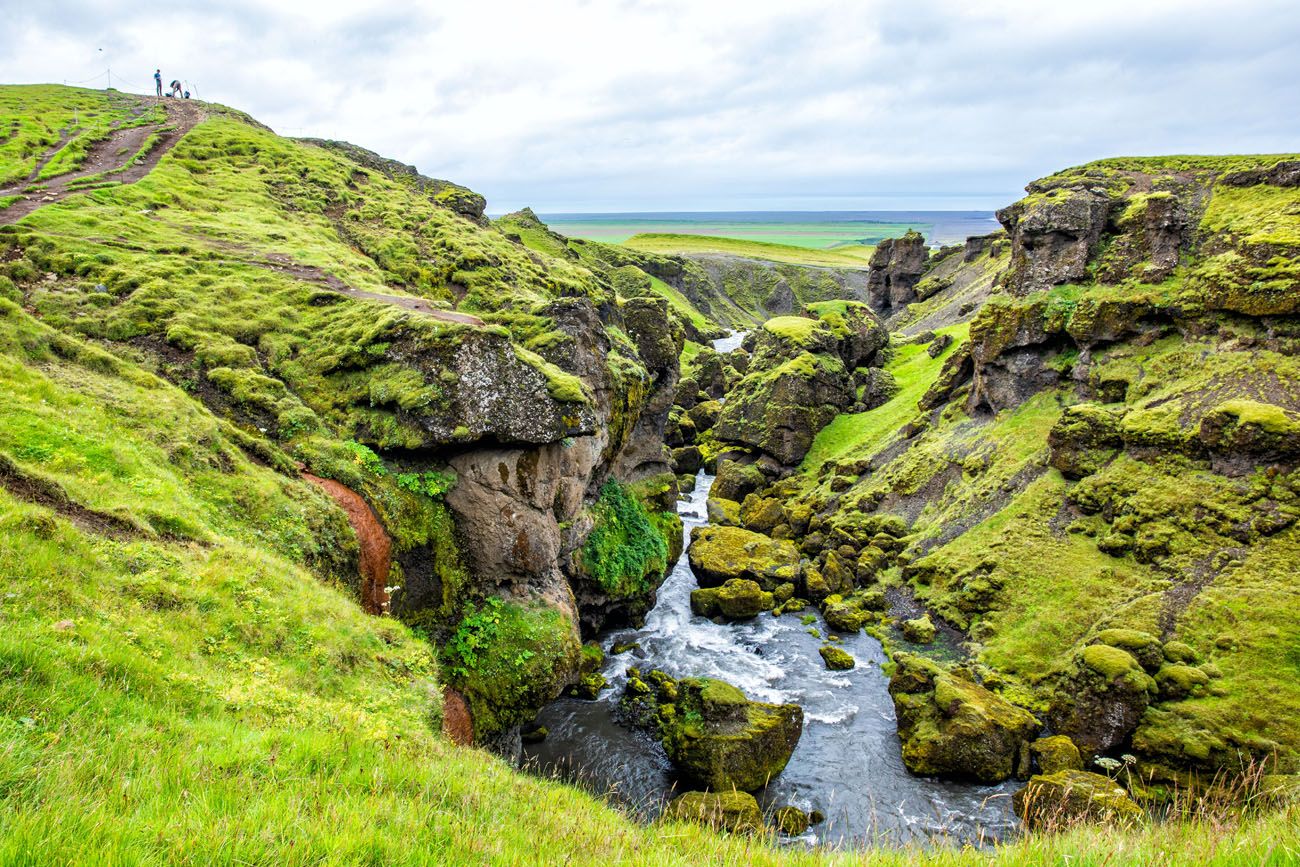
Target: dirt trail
311,274
113,154
376,547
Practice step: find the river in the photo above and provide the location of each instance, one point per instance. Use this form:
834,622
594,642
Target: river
847,763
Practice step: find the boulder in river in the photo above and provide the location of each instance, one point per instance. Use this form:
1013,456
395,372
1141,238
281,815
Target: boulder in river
721,740
738,599
1065,798
719,554
952,727
737,812
835,658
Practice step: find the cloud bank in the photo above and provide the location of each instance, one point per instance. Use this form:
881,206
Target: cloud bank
578,105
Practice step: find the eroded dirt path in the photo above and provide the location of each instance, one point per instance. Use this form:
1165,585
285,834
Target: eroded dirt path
113,157
311,274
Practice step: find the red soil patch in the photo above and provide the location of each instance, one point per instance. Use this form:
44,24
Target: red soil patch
457,724
376,547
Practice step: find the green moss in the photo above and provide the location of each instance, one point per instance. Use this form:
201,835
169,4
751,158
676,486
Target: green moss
505,658
1111,663
625,552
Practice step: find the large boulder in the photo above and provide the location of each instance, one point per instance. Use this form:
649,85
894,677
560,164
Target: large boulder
719,554
1068,797
723,741
952,727
736,812
735,481
1099,702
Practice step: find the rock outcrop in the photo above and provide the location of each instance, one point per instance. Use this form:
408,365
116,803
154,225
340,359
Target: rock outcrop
895,270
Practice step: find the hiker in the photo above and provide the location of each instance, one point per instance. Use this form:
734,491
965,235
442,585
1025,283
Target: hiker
176,88
157,81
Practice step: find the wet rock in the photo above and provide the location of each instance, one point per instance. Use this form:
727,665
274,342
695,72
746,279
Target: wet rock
719,554
737,599
1069,797
1056,753
721,740
736,812
952,727
687,460
835,658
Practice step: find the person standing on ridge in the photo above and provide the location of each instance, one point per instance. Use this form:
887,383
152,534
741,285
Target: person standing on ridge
157,81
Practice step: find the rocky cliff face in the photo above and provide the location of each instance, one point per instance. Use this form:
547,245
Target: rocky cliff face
498,410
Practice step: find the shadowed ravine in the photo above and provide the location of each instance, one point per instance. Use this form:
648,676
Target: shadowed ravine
847,764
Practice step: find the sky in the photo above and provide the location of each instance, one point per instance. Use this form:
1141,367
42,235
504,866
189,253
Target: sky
656,105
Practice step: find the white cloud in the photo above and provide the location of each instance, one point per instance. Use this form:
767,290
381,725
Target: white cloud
644,104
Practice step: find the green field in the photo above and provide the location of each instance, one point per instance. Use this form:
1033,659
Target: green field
848,256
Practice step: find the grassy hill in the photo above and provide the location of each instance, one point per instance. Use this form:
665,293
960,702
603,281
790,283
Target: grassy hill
186,675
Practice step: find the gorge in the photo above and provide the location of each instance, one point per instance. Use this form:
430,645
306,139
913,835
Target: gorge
314,478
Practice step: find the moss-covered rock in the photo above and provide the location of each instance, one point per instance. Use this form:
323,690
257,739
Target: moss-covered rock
719,554
737,599
1144,646
1084,439
1248,427
952,727
919,631
790,821
736,812
722,513
1177,681
1099,702
844,615
721,740
835,658
762,514
1056,753
735,481
1070,797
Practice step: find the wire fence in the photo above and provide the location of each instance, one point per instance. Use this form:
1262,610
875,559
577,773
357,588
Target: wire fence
110,79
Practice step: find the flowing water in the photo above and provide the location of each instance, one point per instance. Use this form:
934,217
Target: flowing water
847,763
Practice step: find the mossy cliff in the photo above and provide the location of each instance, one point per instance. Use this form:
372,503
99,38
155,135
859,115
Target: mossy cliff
1080,456
333,312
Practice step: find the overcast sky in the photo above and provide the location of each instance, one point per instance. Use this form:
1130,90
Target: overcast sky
627,105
